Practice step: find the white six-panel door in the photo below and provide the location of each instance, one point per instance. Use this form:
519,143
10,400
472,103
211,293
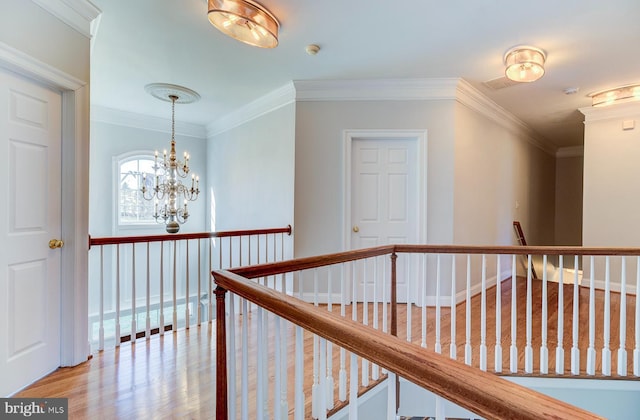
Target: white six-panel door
30,216
384,203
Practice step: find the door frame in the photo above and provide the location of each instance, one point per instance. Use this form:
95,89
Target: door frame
74,347
420,136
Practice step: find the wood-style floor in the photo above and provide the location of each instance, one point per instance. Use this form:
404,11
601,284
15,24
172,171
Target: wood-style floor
173,376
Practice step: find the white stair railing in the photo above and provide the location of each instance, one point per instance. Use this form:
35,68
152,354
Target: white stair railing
137,284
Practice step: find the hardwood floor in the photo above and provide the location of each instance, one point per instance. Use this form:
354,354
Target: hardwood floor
173,376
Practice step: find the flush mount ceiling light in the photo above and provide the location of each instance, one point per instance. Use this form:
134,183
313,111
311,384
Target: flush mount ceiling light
245,21
621,94
524,63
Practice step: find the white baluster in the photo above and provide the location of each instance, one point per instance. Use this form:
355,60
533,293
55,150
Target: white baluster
591,352
375,369
244,369
575,350
147,329
101,325
528,350
299,375
353,388
438,346
329,374
560,346
342,375
622,350
498,348
199,296
277,378
284,403
187,299
606,352
544,350
118,295
391,396
452,347
467,343
315,403
409,301
513,349
636,327
162,288
231,342
322,385
423,342
133,293
365,320
260,388
483,315
175,283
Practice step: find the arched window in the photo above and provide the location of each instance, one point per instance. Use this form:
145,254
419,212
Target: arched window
133,209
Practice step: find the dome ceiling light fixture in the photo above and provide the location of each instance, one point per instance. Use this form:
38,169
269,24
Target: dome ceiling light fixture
524,63
246,21
621,94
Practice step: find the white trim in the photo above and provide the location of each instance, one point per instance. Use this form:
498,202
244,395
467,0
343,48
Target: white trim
74,348
420,136
609,112
145,122
78,14
376,89
568,152
474,99
270,102
19,62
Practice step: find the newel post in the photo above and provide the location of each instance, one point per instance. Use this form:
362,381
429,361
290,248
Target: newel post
221,355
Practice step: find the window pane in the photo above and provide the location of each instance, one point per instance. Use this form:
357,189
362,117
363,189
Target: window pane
133,208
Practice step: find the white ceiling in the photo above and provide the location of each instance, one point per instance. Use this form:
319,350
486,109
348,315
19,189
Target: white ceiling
590,45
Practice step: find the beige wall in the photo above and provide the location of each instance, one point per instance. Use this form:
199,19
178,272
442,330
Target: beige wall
569,200
250,173
500,177
319,154
611,177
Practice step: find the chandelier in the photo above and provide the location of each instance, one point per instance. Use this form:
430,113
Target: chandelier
170,195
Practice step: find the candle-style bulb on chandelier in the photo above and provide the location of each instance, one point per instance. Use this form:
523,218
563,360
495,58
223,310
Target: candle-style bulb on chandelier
166,189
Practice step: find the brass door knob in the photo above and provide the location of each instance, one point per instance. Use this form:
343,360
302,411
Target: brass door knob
56,243
356,229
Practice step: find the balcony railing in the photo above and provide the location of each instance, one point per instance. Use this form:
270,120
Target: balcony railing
143,285
474,306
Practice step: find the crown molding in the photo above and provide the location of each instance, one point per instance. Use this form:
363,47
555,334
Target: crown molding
376,89
474,99
17,60
78,14
145,122
568,152
609,112
454,89
272,101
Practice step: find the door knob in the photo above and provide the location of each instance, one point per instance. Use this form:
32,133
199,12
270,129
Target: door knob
356,229
56,243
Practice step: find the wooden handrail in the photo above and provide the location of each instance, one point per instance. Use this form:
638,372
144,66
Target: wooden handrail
271,269
480,392
306,263
114,240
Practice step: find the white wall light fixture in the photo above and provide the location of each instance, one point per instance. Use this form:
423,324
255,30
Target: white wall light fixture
246,21
621,94
524,63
